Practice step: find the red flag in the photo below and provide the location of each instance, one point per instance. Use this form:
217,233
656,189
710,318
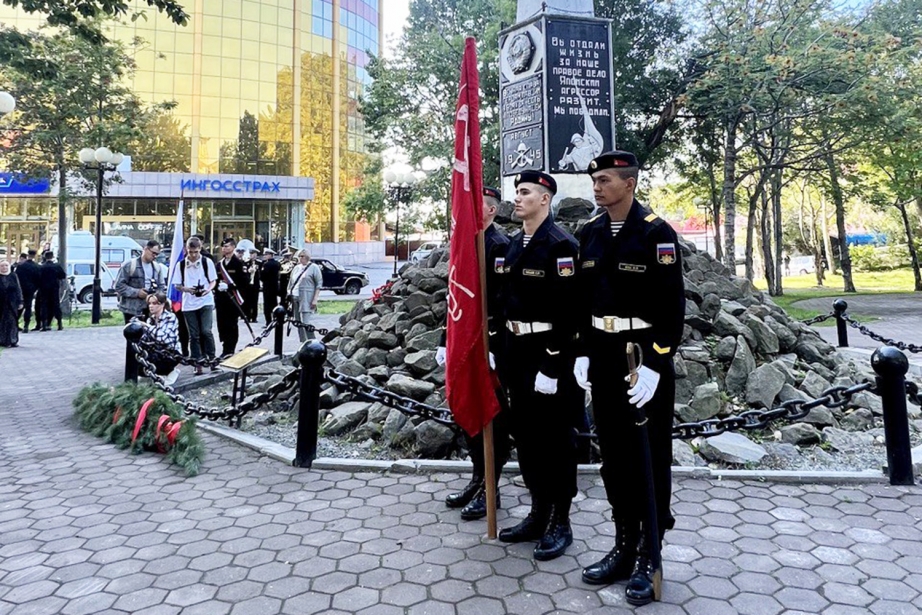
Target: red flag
467,374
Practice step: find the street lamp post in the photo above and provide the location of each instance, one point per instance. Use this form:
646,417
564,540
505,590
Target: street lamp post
7,103
400,186
100,160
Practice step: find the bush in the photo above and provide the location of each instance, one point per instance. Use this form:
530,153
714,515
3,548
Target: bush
885,258
112,413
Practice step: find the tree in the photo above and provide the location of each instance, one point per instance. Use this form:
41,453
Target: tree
162,144
81,16
71,94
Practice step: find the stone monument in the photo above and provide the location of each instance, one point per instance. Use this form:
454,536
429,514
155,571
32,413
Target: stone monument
556,94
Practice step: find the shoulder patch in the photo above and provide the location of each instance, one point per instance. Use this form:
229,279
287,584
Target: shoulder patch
650,218
596,217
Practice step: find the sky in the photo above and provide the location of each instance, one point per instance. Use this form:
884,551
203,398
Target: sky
395,14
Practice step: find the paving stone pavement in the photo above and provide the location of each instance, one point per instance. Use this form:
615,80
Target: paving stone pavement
86,528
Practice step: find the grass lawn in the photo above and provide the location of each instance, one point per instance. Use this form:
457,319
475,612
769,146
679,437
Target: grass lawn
82,319
335,306
799,287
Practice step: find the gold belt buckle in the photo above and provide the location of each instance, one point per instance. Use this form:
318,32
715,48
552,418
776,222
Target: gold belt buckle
609,322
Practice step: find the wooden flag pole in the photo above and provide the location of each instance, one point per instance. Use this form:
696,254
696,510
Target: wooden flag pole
489,464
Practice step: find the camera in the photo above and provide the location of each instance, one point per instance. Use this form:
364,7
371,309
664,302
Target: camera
198,290
153,287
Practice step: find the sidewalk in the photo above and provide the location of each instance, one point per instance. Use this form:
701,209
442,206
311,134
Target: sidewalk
86,528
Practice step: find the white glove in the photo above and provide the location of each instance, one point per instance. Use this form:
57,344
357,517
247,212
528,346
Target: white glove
440,356
545,385
642,392
492,361
581,371
222,286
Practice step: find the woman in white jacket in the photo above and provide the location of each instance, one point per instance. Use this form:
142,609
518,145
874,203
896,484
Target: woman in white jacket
304,290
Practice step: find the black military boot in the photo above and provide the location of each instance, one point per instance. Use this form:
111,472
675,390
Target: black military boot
463,498
531,527
646,583
477,509
619,563
558,535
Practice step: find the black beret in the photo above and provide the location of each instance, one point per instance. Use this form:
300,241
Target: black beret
536,177
229,241
494,192
613,160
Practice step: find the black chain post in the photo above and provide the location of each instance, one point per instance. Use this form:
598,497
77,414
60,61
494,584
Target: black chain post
311,356
891,366
839,306
279,315
133,332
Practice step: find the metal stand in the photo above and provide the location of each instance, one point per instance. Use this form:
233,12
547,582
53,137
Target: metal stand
311,356
133,333
279,314
839,306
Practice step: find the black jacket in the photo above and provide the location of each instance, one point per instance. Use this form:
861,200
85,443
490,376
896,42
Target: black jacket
29,274
269,276
539,286
636,274
51,276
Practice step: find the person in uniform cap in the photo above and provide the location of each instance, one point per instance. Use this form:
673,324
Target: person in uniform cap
472,500
251,267
631,290
540,283
269,278
232,286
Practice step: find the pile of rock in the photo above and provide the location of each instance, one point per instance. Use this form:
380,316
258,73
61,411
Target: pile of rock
740,351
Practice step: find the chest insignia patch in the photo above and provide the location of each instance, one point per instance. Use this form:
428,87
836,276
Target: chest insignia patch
588,264
499,264
533,273
665,253
632,268
565,266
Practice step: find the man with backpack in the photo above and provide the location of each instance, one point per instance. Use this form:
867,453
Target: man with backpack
138,278
196,278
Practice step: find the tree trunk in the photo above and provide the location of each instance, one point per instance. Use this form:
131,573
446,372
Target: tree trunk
826,242
767,260
715,207
844,259
728,193
63,230
913,256
776,216
750,239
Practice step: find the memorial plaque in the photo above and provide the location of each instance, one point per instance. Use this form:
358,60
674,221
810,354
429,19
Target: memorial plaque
555,94
522,104
579,97
244,358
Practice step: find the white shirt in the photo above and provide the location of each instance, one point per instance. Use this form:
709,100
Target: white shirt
195,275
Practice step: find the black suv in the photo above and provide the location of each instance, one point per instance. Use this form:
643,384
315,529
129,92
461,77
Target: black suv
341,281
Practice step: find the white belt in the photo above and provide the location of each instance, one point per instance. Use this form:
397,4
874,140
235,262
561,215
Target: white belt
614,324
523,328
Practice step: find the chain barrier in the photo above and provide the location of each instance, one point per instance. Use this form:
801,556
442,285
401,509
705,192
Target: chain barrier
410,407
174,355
880,338
816,319
229,413
297,324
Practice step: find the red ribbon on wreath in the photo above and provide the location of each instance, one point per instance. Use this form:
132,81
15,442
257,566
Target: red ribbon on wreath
169,429
118,413
382,290
142,415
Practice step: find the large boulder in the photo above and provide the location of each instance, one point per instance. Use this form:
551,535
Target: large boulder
847,441
433,440
801,434
345,417
766,340
763,385
421,363
732,448
409,387
706,402
743,364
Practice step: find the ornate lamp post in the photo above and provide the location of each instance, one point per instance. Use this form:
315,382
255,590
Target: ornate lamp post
399,186
100,160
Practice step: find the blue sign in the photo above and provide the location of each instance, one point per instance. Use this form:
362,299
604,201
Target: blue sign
229,186
15,183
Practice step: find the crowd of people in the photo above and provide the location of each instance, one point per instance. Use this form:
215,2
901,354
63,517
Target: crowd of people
563,315
29,289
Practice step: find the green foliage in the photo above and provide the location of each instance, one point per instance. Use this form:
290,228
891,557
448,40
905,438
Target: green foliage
885,258
80,16
368,202
111,413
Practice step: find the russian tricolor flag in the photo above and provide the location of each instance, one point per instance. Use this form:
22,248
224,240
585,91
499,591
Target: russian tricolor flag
177,254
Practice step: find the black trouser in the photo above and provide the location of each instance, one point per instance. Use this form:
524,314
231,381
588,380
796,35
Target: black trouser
227,314
183,330
270,301
501,443
51,307
163,365
27,298
542,425
251,304
619,436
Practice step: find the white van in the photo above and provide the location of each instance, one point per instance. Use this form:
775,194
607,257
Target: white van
116,249
84,271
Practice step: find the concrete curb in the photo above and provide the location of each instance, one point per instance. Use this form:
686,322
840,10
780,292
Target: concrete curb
431,466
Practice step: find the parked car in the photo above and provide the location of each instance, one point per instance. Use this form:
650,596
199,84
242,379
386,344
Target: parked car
84,272
340,280
802,265
422,252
